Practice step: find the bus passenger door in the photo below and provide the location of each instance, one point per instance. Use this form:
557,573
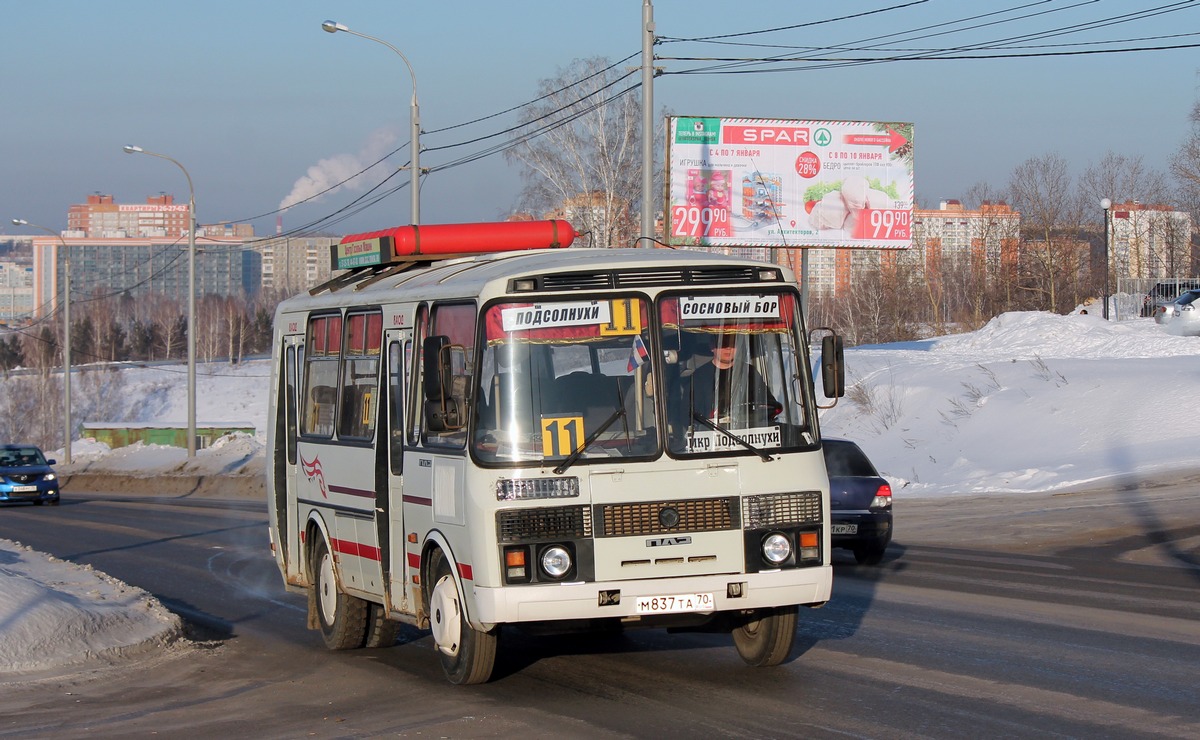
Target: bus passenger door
284,456
389,488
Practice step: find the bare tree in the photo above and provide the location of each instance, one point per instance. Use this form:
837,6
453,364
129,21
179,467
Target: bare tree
209,327
1185,165
169,321
1042,191
579,147
1122,179
31,404
236,325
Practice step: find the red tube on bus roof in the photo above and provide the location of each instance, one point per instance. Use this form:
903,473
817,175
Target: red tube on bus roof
440,240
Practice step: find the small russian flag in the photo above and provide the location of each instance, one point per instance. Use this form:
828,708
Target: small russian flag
638,354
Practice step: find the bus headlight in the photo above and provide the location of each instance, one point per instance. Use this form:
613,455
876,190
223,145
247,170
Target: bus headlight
555,561
776,549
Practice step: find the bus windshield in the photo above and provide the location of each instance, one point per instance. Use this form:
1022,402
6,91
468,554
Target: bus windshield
731,361
565,378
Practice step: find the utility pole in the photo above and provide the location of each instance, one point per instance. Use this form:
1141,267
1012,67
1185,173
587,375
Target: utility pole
647,235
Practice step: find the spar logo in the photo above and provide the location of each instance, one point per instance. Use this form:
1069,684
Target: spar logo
784,135
312,471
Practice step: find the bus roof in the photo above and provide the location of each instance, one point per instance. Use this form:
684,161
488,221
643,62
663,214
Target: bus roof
567,270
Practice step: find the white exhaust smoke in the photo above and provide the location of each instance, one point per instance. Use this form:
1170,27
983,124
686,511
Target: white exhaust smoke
335,173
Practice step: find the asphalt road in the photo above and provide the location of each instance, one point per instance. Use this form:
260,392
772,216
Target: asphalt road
1070,615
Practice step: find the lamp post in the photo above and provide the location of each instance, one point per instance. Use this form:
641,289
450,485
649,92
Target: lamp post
191,314
334,27
1106,205
67,429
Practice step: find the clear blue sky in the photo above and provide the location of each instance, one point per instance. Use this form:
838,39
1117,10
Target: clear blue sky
250,95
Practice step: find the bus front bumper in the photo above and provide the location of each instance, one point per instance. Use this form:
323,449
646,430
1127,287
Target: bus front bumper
626,599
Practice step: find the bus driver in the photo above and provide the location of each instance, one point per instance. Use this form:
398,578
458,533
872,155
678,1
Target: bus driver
718,386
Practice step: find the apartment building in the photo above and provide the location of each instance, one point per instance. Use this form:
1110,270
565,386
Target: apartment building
1149,241
138,267
159,217
294,263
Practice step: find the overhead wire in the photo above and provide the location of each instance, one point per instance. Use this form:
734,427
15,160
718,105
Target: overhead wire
823,60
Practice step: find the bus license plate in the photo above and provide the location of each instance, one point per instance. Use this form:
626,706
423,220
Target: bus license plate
843,529
675,604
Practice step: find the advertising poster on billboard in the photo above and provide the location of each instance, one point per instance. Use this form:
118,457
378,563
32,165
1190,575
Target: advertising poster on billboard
786,183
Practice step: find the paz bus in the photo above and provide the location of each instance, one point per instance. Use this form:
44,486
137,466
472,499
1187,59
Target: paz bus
474,427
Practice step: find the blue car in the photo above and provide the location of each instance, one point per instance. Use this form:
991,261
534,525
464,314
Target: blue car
860,502
26,475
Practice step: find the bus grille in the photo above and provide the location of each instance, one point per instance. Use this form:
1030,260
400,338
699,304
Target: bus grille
531,525
781,509
698,515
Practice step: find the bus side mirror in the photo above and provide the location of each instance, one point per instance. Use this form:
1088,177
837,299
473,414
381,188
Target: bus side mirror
434,371
445,375
833,366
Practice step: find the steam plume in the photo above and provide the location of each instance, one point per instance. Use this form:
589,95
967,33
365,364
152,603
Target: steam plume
335,172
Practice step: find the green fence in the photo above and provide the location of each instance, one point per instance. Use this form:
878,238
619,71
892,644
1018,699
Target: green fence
174,435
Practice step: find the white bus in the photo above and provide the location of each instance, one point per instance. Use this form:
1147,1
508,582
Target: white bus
551,438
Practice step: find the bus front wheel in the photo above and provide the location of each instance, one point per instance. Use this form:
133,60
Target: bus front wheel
766,639
467,654
343,617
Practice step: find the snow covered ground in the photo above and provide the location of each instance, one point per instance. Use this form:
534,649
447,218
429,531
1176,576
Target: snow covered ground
1031,402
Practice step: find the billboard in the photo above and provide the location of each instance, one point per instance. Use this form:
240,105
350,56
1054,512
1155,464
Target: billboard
784,183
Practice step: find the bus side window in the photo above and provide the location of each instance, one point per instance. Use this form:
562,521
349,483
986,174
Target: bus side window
320,411
415,361
395,418
321,362
290,403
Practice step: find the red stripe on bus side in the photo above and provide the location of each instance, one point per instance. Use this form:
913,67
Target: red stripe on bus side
351,491
347,547
418,500
465,571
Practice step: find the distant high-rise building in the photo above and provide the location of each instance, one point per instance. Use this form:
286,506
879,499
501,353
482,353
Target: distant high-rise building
294,263
159,217
985,239
140,267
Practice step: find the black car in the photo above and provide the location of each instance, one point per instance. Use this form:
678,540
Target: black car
860,502
26,475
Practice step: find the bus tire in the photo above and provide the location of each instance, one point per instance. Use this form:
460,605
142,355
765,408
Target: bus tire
766,639
467,654
381,631
342,618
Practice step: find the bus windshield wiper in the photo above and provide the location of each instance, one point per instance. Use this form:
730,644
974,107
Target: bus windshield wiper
766,456
574,456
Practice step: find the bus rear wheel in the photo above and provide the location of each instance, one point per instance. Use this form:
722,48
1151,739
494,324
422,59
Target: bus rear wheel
343,618
766,639
467,654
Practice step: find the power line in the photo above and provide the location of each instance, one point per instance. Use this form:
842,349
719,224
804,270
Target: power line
668,39
825,61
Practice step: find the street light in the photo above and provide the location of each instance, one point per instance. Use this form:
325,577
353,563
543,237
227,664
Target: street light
191,314
1106,204
67,430
334,27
